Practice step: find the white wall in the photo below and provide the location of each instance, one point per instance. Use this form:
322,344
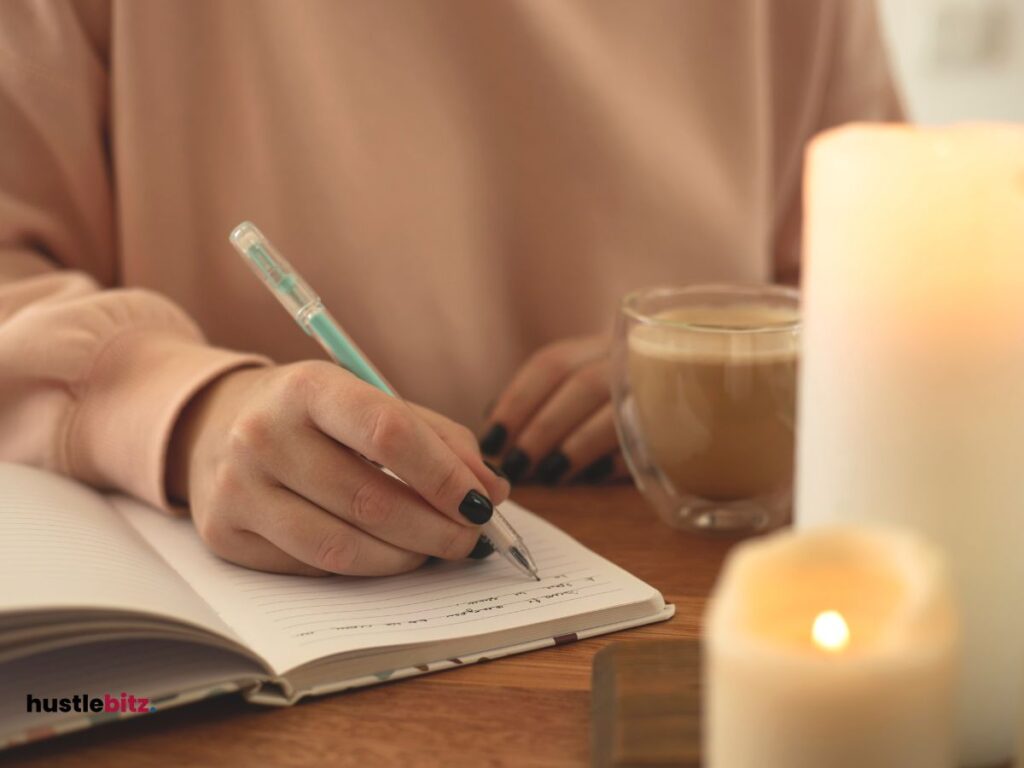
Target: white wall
958,59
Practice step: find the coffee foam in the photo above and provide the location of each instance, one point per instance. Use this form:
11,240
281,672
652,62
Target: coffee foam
718,333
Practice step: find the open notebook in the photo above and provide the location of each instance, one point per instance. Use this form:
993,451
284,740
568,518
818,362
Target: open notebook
102,595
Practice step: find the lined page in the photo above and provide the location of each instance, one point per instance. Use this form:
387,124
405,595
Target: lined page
291,620
63,546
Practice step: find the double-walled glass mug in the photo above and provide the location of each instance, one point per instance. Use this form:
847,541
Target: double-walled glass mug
704,387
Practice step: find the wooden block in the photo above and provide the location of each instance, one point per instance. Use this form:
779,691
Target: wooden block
645,704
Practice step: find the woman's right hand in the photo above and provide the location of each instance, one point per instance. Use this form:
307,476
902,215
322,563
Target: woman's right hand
270,461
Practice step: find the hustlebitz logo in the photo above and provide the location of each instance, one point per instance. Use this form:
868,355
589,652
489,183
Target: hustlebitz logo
126,703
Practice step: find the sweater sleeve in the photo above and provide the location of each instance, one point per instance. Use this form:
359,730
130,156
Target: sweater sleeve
92,378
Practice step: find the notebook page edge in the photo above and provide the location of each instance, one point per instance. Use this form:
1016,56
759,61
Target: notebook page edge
291,693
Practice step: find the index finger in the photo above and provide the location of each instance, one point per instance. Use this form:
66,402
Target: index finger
385,430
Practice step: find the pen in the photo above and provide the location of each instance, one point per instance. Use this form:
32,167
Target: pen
305,306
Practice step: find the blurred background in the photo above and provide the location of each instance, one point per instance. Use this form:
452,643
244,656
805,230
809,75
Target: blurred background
958,59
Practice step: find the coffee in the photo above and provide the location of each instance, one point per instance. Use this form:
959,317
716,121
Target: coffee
715,393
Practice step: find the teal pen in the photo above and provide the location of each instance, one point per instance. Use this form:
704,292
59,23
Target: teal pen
309,312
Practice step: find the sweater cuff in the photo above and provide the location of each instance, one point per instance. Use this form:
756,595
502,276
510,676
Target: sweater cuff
119,435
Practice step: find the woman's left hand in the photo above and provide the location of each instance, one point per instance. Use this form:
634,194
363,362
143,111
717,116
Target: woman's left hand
554,420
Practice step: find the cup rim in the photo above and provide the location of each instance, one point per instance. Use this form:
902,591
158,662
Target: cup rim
628,307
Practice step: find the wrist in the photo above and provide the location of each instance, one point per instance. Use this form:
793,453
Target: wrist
194,422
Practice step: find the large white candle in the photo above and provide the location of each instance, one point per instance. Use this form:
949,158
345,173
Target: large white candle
830,648
912,373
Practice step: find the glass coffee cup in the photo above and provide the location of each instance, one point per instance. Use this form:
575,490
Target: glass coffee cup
704,389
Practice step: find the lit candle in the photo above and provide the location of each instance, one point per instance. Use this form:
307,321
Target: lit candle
912,374
831,648
830,631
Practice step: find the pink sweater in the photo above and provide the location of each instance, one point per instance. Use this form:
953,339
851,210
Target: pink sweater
463,181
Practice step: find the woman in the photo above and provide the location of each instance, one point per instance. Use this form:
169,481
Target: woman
470,186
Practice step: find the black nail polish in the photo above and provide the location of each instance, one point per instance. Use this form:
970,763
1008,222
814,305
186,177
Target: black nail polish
550,470
483,549
599,470
476,508
495,470
492,443
515,465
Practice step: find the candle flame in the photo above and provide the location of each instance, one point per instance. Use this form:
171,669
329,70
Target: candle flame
830,632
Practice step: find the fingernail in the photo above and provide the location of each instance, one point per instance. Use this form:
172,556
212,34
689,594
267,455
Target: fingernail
492,443
552,468
483,549
599,470
495,470
476,508
515,465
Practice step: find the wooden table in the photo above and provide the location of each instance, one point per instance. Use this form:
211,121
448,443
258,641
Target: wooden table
531,709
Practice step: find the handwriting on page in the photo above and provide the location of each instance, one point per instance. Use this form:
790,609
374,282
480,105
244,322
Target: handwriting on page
450,613
443,595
